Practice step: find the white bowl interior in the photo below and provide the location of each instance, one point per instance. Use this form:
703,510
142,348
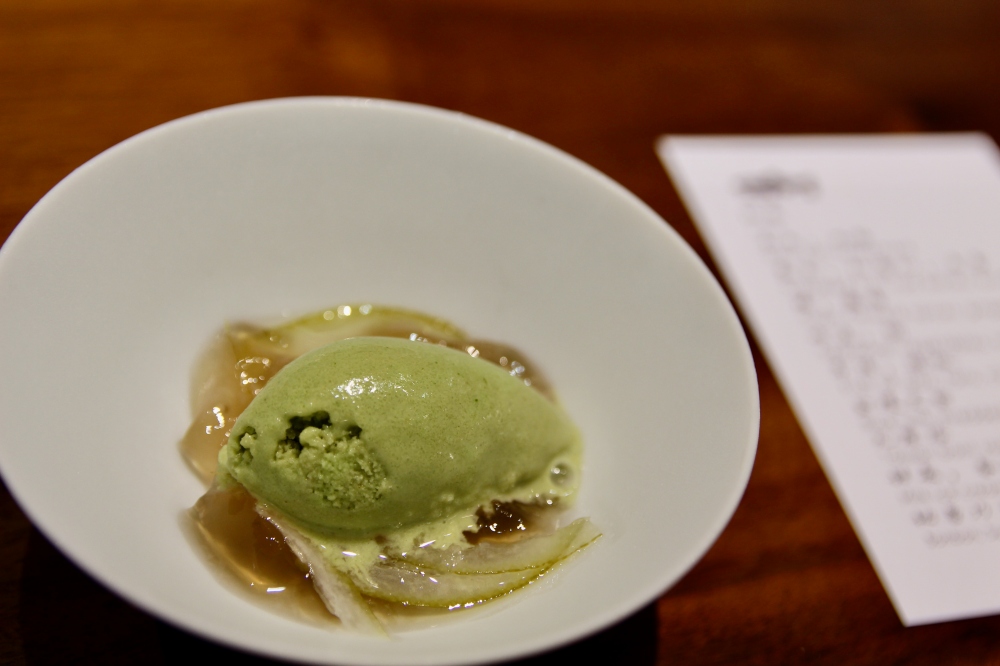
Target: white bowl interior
117,278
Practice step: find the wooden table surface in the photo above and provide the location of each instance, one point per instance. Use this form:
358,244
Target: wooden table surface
787,582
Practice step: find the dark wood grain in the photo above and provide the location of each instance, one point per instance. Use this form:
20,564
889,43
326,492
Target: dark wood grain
787,582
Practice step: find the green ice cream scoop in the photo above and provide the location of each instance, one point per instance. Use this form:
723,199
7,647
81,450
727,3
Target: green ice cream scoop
369,436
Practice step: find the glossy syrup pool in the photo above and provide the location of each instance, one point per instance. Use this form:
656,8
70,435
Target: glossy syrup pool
253,551
232,370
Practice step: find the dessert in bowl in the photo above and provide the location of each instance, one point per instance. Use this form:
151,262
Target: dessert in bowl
368,462
114,281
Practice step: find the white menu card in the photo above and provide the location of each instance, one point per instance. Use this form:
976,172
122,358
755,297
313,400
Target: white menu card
868,268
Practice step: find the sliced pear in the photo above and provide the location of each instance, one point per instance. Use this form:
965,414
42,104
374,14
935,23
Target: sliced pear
449,579
292,339
218,396
341,597
391,581
410,585
487,570
538,552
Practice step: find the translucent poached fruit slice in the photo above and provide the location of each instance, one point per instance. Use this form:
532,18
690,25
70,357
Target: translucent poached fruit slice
254,552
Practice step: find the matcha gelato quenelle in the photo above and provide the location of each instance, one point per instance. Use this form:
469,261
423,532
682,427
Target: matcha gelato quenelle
373,436
398,469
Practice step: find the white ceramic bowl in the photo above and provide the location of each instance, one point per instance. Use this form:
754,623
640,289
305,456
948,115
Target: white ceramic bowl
118,276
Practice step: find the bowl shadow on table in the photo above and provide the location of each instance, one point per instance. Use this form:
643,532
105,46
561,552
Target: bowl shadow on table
66,617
